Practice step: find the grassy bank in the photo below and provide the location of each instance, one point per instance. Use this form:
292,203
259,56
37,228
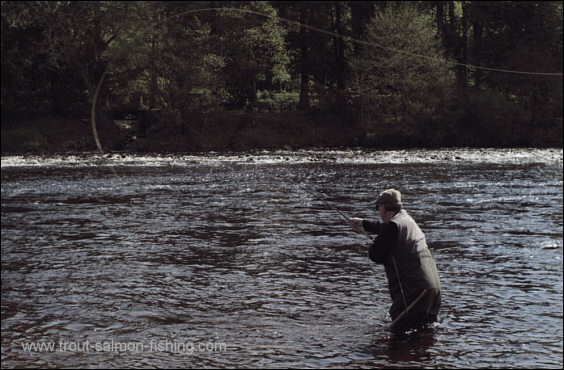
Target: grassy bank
220,131
240,131
56,135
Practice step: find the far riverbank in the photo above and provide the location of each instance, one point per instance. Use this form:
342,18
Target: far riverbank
239,131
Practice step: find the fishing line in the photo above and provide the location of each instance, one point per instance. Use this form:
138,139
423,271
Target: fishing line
348,38
366,234
316,29
407,308
341,214
330,33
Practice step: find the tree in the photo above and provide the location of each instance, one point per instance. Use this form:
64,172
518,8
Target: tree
297,36
361,13
252,42
402,79
35,81
319,45
189,66
521,36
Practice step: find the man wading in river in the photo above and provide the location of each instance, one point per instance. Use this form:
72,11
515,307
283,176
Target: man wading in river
400,246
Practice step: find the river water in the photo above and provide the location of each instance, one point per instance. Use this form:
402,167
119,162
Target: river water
237,260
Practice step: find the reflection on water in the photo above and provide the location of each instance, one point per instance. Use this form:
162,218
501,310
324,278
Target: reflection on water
229,250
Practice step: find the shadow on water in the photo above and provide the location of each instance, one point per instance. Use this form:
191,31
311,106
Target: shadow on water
413,349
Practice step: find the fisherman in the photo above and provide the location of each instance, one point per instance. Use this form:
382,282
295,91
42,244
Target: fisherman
413,279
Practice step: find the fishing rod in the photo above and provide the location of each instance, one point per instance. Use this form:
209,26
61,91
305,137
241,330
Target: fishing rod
315,195
407,308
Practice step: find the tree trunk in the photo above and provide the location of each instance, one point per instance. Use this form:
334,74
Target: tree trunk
254,92
477,28
153,90
361,12
304,88
340,46
441,20
462,71
451,17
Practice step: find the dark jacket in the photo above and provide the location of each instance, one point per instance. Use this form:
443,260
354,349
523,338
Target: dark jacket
402,249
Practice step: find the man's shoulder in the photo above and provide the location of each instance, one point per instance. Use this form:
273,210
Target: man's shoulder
390,225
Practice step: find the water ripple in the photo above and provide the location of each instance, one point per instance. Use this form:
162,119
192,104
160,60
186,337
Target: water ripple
224,249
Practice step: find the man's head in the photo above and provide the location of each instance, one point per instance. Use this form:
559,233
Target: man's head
389,201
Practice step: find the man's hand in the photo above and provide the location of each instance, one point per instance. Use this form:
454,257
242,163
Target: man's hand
356,224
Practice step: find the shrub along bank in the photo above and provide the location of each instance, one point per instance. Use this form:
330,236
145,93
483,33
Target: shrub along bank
242,130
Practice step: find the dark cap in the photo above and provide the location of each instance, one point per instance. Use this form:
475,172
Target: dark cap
389,197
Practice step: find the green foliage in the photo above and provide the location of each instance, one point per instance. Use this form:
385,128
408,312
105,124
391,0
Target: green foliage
407,82
255,50
520,36
189,69
33,82
49,135
488,118
192,60
269,101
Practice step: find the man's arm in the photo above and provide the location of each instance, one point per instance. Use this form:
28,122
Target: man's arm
384,243
361,225
371,227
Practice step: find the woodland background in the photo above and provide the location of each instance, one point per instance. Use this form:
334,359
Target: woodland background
221,75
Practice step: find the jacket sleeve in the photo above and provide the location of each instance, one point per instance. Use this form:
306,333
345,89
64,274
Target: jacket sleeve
385,241
371,227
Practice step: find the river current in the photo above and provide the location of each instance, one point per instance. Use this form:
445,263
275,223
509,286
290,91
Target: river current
241,259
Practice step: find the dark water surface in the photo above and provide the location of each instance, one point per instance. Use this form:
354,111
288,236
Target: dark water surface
225,261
